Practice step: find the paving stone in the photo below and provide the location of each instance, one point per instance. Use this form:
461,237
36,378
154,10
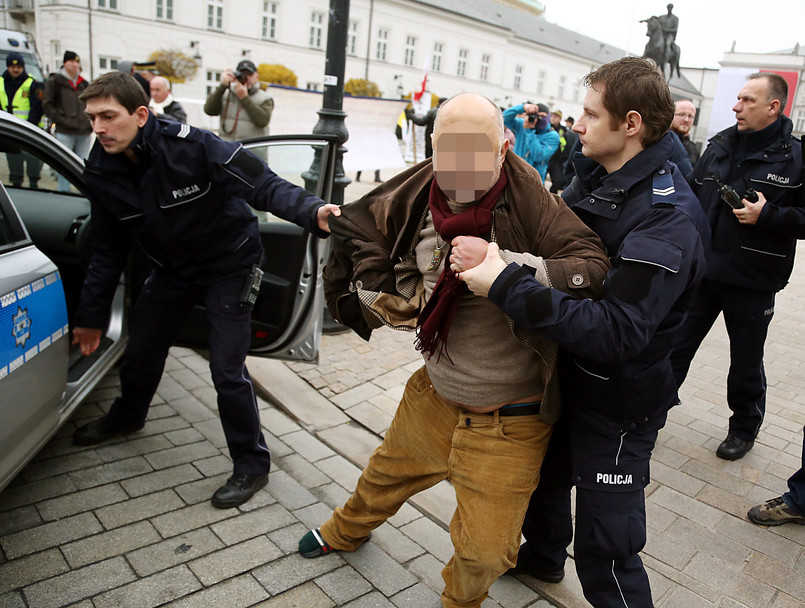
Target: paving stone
687,507
304,444
288,492
50,535
212,431
109,544
304,595
340,470
510,592
277,422
12,600
434,538
302,471
152,591
174,551
370,416
191,409
76,585
184,436
332,495
727,579
181,454
84,500
138,509
137,445
371,600
254,523
238,592
276,446
776,573
42,469
235,560
190,518
110,472
343,585
202,489
29,493
160,480
379,569
678,480
32,568
428,570
399,546
416,596
293,570
213,466
314,515
187,378
18,519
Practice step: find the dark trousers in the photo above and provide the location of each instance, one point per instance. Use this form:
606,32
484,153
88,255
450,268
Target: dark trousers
747,314
608,463
17,164
557,172
156,319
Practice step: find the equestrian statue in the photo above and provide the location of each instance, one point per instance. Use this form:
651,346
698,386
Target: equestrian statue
661,46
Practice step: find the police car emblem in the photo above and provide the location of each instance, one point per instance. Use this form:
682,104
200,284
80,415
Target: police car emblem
22,327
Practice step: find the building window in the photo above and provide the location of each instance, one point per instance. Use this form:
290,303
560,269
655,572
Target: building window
352,38
110,4
270,10
316,29
213,80
107,63
436,62
410,49
800,123
485,60
382,42
165,10
215,14
518,76
560,92
461,70
576,90
541,81
313,86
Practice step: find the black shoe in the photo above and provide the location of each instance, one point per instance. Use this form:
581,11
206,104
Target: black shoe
101,430
733,448
237,490
528,567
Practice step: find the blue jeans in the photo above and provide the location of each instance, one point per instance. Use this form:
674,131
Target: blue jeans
78,144
795,497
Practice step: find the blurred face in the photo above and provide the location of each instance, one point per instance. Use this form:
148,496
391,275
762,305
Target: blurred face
599,140
114,127
684,115
252,79
753,112
556,120
72,67
159,90
15,70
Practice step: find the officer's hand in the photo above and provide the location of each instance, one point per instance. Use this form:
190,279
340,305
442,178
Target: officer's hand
480,278
228,77
751,211
467,252
89,339
324,212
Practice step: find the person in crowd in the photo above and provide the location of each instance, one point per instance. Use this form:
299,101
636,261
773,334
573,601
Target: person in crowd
139,73
244,107
684,117
21,95
616,380
182,193
162,104
786,509
426,121
65,110
479,412
535,140
753,246
559,158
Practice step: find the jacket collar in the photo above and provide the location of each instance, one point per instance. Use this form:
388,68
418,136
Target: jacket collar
726,140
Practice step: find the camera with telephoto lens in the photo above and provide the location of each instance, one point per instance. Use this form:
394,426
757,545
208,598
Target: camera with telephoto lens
241,76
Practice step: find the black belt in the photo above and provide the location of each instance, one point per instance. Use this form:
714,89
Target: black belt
519,409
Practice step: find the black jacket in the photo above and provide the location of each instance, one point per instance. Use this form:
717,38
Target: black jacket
759,256
186,203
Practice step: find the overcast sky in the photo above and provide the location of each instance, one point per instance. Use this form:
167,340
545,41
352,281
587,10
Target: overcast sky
707,28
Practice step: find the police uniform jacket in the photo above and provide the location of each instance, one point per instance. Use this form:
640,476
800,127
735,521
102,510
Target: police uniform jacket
618,348
186,203
371,278
759,256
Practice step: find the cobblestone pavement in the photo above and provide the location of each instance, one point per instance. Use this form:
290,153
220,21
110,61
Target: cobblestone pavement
129,523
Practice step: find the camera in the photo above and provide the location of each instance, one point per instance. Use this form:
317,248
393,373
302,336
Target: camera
241,76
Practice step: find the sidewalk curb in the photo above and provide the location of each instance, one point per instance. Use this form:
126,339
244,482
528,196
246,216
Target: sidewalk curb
323,419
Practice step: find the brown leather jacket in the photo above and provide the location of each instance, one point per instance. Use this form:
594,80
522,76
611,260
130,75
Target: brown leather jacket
371,277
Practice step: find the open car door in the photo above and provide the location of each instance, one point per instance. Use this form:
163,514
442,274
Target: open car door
287,317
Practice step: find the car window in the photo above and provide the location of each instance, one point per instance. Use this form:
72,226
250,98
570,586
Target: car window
10,229
23,167
293,160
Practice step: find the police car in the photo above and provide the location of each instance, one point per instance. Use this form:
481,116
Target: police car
44,248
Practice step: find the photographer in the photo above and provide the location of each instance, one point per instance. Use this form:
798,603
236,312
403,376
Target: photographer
245,109
535,139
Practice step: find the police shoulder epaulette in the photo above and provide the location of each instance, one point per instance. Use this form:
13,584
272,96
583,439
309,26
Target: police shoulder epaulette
175,129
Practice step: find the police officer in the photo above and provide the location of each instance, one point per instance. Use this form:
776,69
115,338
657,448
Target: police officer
753,246
182,192
21,95
616,379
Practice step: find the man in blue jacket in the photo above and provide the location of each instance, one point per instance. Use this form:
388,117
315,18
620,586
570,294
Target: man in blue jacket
753,246
182,193
535,139
616,378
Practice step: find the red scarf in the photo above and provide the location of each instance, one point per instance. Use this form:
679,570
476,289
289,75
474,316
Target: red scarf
434,322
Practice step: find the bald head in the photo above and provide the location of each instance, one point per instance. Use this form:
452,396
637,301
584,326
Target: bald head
160,88
468,147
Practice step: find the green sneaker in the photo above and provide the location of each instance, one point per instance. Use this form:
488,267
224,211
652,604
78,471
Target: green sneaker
774,513
313,545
